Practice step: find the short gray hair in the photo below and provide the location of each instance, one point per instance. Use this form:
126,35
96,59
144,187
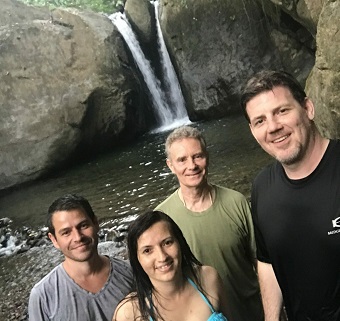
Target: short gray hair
184,132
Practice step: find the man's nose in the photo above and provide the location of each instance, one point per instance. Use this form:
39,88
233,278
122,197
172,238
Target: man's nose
273,125
192,162
77,235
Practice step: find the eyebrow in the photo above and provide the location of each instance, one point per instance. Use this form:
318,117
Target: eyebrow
145,247
165,239
272,111
69,228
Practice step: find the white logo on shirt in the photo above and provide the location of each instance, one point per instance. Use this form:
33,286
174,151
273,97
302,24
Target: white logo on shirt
336,225
336,222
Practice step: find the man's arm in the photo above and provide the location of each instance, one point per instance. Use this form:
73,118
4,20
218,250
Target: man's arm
270,291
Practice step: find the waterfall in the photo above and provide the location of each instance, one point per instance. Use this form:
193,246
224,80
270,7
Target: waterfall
163,112
170,111
170,78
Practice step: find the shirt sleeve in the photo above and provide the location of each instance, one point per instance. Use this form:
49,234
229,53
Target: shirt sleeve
36,311
250,229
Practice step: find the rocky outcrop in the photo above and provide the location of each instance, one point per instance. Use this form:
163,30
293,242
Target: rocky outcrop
65,89
68,86
141,16
323,84
306,12
218,44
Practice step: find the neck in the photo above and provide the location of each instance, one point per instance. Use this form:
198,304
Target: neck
310,161
197,199
90,275
95,265
169,290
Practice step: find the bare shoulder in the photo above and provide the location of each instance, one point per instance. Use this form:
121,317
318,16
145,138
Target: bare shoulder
213,286
127,309
208,275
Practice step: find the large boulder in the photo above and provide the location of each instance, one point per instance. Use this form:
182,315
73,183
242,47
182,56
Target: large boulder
306,12
216,45
68,86
64,89
142,18
323,84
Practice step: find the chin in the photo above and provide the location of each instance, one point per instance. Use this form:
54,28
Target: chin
289,159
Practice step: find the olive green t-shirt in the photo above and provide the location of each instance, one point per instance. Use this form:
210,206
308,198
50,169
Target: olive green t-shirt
223,237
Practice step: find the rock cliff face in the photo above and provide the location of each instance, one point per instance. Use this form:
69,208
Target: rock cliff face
214,44
63,89
323,84
68,85
141,16
306,12
218,44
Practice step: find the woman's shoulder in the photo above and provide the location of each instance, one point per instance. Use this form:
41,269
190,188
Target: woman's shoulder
208,274
210,284
127,309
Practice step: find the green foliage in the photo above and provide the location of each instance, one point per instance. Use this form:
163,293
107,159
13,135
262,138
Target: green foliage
107,6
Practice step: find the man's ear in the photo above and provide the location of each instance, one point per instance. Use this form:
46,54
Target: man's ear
54,240
168,162
95,222
309,107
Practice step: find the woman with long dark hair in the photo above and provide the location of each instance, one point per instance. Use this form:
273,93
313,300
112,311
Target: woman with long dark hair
171,284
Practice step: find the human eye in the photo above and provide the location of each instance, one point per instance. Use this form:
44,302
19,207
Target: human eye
84,225
168,242
146,251
257,122
65,232
199,156
283,110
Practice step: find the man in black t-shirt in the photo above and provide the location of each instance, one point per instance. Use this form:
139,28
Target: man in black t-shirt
295,202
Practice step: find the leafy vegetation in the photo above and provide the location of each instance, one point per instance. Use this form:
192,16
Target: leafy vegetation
107,6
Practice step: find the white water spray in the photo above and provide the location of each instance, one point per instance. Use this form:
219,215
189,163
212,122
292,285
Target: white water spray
177,102
163,112
170,113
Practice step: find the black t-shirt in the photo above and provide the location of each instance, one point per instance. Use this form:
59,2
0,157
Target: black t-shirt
297,230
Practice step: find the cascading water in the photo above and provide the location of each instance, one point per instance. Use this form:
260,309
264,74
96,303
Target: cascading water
170,113
163,112
170,77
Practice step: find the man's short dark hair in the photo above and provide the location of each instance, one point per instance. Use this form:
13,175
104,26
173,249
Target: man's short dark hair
69,202
268,79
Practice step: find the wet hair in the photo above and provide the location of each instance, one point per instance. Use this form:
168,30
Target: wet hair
69,202
184,132
266,80
143,285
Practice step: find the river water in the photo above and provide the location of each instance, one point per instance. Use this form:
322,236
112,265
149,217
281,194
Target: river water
119,186
132,179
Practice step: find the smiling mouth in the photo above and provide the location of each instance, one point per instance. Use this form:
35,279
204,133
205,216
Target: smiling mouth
281,139
83,245
164,267
194,174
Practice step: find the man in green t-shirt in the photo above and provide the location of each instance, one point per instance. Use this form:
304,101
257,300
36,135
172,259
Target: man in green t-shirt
215,221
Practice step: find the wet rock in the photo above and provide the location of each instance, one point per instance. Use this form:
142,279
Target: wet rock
80,102
5,221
